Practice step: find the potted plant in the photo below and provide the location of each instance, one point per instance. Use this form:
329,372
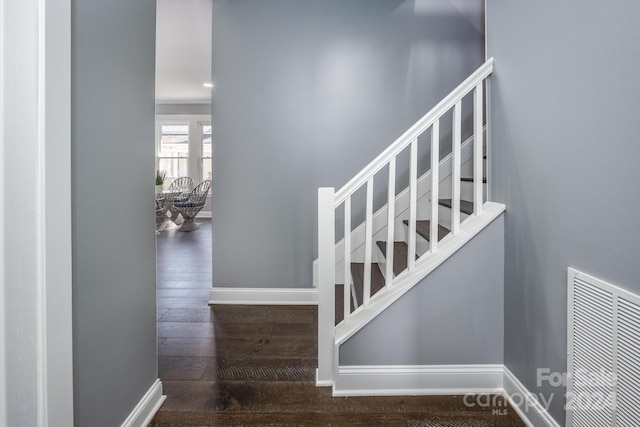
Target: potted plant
160,175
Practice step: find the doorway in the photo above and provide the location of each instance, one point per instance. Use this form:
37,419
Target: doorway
183,150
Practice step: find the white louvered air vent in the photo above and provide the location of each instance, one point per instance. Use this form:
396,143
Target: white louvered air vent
603,354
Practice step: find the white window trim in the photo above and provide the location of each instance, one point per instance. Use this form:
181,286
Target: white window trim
195,123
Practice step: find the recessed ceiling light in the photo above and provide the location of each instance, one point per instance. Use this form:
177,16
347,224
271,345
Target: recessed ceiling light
208,85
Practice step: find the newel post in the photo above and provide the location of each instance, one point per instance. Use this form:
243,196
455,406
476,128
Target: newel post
326,285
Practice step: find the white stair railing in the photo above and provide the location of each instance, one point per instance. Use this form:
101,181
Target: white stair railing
330,200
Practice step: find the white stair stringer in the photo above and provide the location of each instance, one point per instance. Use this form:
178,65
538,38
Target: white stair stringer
424,265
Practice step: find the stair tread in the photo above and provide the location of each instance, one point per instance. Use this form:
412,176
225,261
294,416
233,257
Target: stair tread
357,275
465,205
423,228
400,251
484,180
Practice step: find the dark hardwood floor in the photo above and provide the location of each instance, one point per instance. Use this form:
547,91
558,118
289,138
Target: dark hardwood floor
255,365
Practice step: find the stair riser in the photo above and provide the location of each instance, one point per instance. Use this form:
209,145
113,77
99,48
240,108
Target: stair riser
382,263
444,216
466,168
383,260
466,191
422,244
358,253
354,299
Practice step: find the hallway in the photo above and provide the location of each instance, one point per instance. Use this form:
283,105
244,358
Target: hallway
255,365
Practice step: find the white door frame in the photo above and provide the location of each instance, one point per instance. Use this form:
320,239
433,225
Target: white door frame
3,374
45,42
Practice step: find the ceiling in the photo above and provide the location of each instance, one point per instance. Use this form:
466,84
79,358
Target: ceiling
183,44
183,51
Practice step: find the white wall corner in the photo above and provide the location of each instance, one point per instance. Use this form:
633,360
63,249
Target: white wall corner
145,410
526,404
418,380
264,296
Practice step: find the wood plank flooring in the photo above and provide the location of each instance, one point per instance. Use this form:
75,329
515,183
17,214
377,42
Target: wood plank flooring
255,365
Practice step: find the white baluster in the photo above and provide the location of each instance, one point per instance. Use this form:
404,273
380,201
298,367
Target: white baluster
478,138
435,185
455,168
413,193
347,258
326,284
366,291
391,217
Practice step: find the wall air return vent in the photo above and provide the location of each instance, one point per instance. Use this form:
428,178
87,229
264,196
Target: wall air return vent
603,354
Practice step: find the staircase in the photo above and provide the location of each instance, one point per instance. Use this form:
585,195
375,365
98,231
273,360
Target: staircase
416,230
400,252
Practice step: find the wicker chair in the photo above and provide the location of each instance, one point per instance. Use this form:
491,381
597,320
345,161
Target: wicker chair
161,213
179,189
192,204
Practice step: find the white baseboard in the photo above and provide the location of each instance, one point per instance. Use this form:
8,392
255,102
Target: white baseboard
525,403
442,380
417,380
264,296
203,214
322,383
147,407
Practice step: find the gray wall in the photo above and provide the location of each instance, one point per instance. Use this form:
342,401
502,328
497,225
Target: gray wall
565,157
307,93
114,332
453,316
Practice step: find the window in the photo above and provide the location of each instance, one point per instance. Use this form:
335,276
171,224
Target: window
184,148
173,151
206,152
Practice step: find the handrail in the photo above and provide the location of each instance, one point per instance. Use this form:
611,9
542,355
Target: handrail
414,131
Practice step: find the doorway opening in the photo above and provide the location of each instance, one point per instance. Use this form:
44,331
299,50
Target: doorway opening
183,160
